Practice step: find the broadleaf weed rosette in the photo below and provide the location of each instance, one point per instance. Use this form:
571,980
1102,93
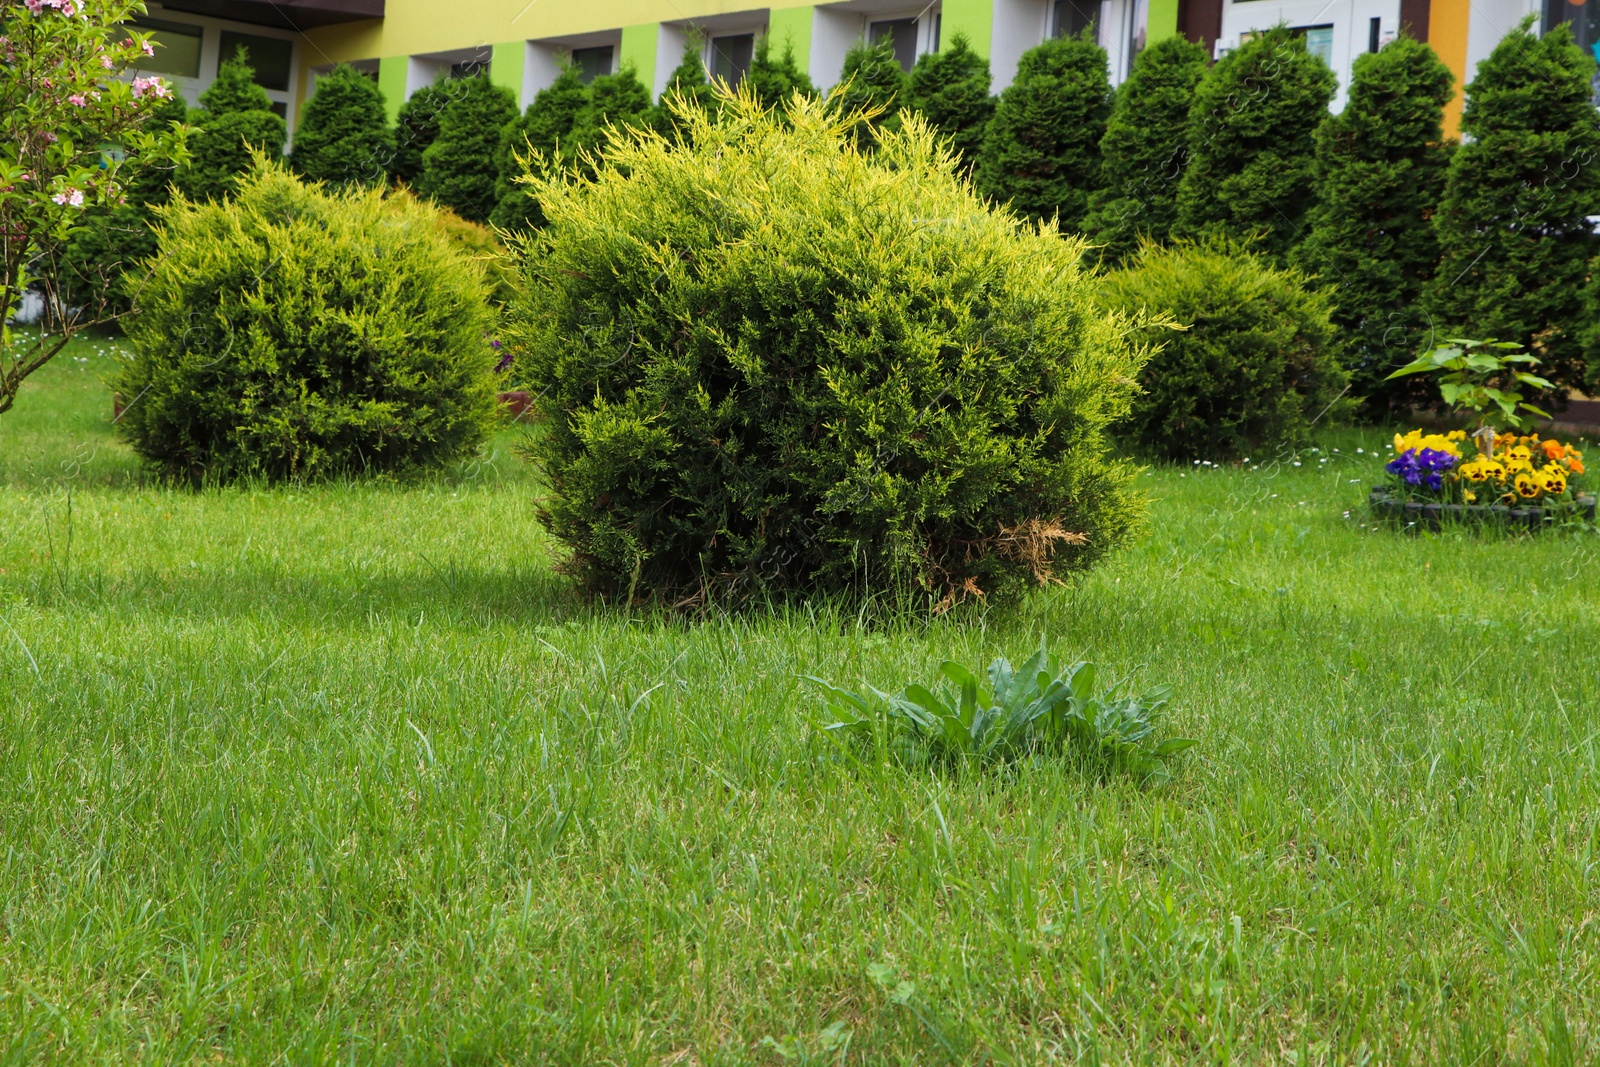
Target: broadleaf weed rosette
1506,469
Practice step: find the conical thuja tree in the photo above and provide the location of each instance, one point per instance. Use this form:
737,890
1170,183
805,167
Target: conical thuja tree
459,168
1380,170
236,121
871,82
1251,146
1513,231
688,85
1145,148
775,78
951,89
415,128
546,128
617,101
343,136
1041,153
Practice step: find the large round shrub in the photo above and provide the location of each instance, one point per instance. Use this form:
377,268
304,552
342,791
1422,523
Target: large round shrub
297,333
772,364
1254,365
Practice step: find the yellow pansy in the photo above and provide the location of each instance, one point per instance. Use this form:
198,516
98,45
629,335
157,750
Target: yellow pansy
1527,486
1552,480
1416,441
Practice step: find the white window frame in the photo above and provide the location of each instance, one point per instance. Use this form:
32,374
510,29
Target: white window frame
211,30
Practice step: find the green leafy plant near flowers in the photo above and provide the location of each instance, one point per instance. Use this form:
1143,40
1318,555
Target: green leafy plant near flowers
1473,377
1042,708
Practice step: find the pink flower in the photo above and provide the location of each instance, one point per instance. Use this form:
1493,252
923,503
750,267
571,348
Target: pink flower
105,61
154,86
77,100
34,6
71,196
149,49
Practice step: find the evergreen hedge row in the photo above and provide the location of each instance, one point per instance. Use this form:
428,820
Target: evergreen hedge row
871,83
950,88
1411,241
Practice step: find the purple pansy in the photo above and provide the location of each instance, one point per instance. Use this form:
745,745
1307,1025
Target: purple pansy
1422,467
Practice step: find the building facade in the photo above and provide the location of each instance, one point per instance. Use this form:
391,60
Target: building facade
522,44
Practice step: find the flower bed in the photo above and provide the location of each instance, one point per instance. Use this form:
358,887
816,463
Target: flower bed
1515,480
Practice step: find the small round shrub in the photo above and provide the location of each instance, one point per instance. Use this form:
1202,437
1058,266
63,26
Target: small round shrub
1254,365
774,364
295,333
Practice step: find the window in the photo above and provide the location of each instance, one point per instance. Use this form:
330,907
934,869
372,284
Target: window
270,56
1319,41
902,33
592,62
177,46
1583,17
730,57
469,68
1068,18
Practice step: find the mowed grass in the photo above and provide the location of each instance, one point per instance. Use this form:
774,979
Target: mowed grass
347,775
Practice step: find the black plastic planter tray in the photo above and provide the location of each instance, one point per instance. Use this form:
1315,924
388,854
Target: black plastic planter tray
1384,504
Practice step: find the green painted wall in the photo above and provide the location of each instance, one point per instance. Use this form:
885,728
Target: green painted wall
505,66
392,83
975,18
639,48
791,27
1163,20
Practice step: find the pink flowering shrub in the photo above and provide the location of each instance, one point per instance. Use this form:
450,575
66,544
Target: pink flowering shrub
62,102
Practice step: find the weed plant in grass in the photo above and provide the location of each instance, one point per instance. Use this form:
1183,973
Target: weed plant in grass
334,774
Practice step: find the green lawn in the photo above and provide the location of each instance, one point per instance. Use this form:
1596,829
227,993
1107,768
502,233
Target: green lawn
346,774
